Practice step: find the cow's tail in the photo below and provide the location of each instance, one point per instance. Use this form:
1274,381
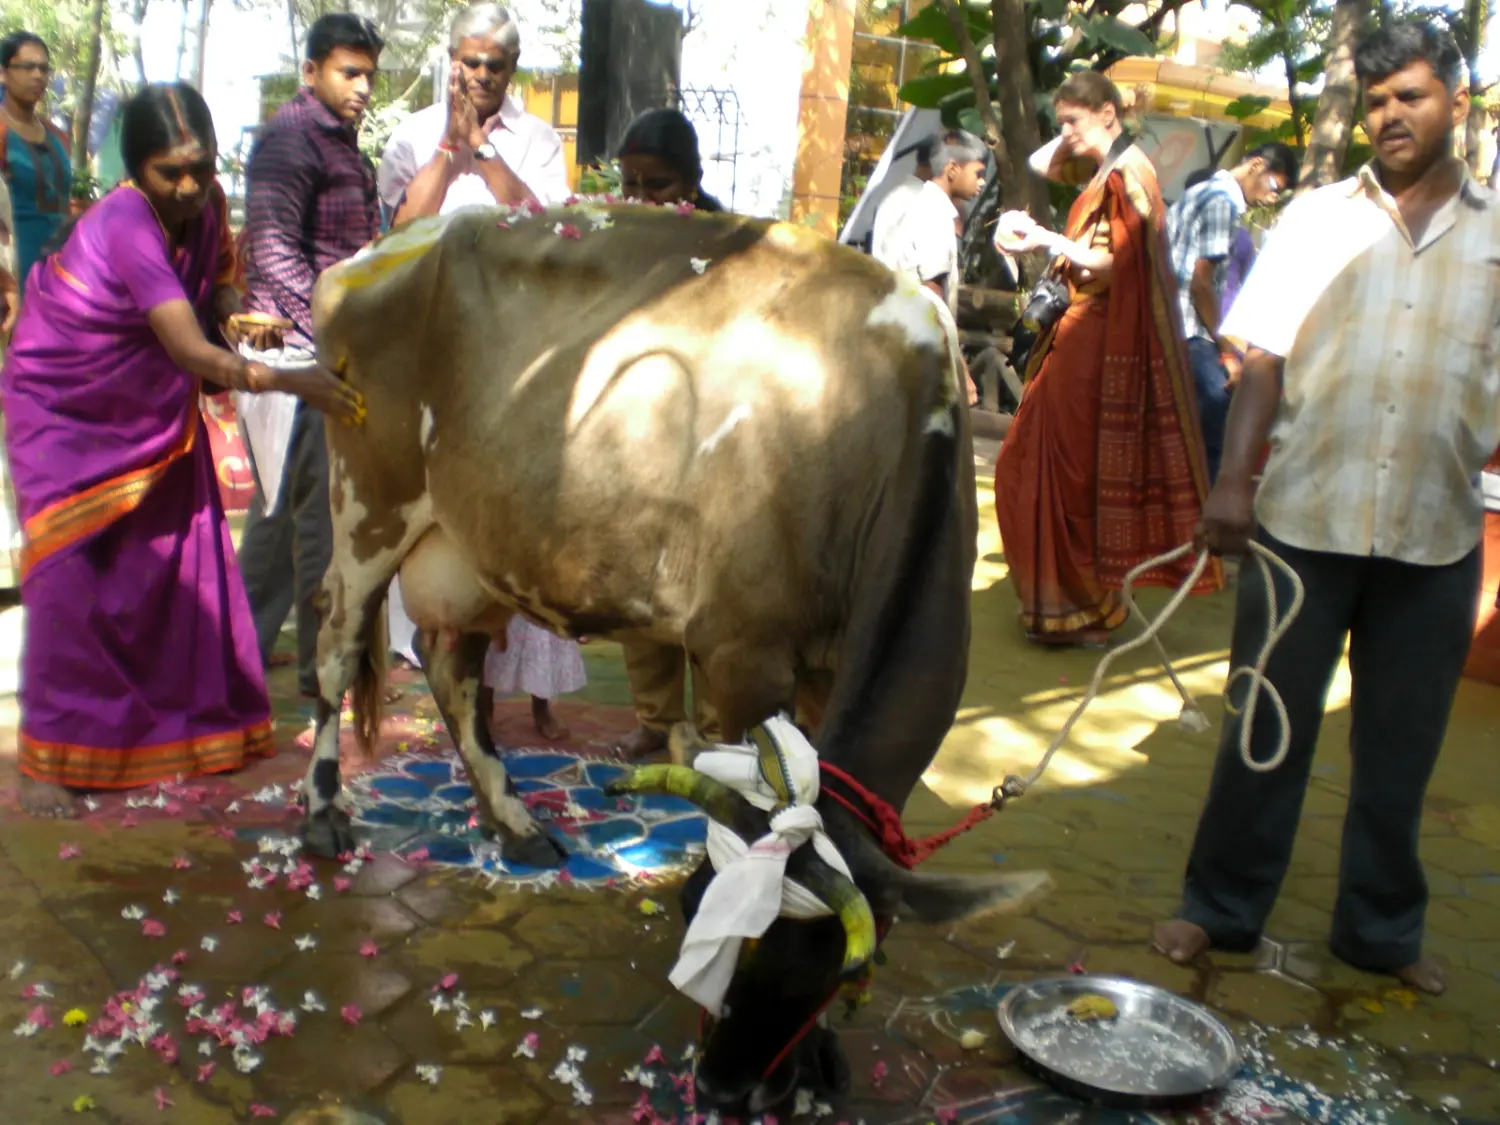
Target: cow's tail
367,692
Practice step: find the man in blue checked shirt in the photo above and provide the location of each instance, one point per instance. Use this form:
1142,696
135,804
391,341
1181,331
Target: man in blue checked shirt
1201,228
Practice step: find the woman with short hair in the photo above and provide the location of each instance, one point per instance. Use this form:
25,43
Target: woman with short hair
1104,466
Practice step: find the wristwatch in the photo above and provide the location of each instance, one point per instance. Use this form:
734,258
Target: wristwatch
487,151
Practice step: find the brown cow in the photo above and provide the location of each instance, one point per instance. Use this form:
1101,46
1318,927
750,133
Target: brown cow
694,430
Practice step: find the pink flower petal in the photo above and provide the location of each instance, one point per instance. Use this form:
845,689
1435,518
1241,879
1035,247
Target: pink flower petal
234,918
421,855
1077,969
878,1073
179,957
260,1109
351,1013
368,948
60,1067
152,928
568,230
447,983
342,883
181,863
128,821
166,1048
686,208
947,1115
225,832
273,919
654,1057
162,1101
69,851
29,992
532,1040
39,1016
642,1113
206,1071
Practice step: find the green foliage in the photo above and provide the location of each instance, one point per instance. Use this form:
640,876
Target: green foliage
931,25
1247,106
64,26
603,179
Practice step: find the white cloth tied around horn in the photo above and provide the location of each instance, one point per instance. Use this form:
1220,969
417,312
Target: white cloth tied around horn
750,889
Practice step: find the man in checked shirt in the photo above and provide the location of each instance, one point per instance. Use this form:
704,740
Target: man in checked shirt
1372,319
312,202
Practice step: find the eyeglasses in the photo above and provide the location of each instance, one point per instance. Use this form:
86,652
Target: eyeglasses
490,63
31,67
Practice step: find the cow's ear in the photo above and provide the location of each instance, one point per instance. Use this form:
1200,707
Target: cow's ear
940,899
934,899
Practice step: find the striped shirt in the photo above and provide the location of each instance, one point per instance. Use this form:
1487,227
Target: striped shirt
311,203
1201,225
1391,394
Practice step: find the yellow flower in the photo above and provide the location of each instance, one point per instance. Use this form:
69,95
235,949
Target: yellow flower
76,1017
649,907
82,1103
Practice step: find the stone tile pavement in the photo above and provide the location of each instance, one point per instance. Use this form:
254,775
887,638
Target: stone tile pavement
542,971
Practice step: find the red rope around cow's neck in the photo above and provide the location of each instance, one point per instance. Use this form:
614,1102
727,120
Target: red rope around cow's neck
883,820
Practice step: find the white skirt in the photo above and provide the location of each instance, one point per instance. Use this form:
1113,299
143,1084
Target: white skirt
535,661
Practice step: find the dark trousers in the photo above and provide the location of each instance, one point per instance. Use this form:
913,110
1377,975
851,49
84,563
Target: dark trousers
283,556
1212,381
1409,629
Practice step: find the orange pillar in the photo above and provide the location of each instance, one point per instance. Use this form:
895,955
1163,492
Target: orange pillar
820,121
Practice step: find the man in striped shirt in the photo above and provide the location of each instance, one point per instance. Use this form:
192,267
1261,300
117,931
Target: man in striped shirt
311,203
1372,319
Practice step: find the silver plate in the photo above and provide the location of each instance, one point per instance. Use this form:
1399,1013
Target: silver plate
1160,1045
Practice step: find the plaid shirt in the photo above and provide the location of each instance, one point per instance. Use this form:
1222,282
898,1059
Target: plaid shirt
1201,225
312,203
1390,401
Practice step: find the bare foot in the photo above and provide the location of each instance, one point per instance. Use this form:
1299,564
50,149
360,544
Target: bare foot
546,722
641,743
43,799
1425,975
1179,942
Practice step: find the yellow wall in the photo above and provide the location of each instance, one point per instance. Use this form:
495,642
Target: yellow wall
818,172
554,98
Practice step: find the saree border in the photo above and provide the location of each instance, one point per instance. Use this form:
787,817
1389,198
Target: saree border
67,521
95,767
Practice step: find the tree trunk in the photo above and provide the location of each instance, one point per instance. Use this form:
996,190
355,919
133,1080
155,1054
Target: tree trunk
291,23
1024,190
84,117
1289,64
1334,123
1476,22
202,45
974,68
139,15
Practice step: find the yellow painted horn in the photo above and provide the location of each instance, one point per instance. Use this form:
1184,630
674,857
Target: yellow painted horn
713,797
838,892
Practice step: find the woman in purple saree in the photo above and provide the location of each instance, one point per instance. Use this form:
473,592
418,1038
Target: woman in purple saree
140,660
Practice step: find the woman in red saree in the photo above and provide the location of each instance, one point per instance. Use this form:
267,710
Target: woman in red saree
139,661
1103,467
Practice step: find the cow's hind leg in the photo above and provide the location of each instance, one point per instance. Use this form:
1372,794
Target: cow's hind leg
351,642
454,674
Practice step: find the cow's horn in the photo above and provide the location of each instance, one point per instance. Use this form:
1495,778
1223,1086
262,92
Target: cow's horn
713,797
848,903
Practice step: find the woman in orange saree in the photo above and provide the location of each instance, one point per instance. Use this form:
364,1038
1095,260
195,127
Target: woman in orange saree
1103,467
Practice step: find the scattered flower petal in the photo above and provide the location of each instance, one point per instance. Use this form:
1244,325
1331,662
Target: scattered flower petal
972,1039
260,1109
526,1048
209,943
60,1067
654,1057
234,918
69,851
368,948
273,919
133,913
17,970
75,1017
181,863
429,1073
686,207
82,1103
487,1019
351,1013
306,942
170,897
206,1071
531,1014
447,983
162,1101
699,264
153,929
650,907
342,883
878,1073
312,1003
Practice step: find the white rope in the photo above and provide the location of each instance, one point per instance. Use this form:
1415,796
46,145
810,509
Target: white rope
1192,716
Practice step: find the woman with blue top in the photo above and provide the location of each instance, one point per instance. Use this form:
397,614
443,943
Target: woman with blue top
33,152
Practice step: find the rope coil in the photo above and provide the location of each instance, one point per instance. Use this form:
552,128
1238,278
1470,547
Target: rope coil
1192,716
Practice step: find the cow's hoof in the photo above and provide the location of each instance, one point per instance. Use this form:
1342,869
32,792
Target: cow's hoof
327,833
536,850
